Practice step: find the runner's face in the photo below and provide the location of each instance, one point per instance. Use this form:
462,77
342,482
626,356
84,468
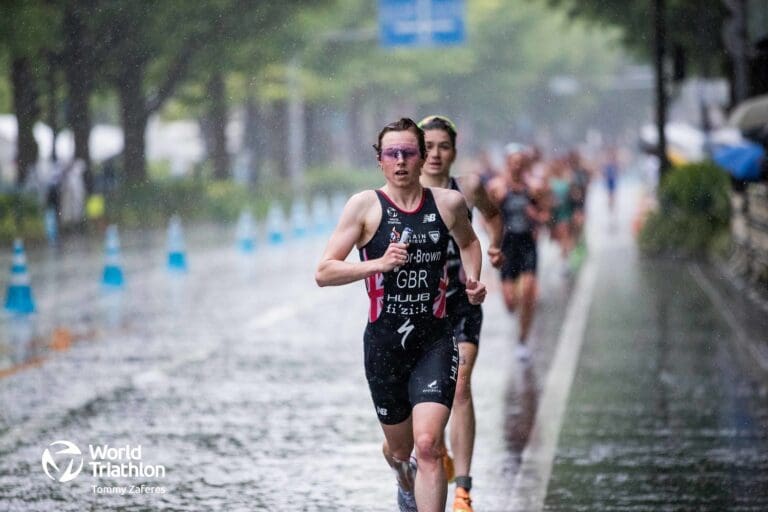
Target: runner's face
440,153
515,165
400,158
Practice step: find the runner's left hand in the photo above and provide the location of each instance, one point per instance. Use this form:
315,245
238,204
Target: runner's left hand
495,256
475,291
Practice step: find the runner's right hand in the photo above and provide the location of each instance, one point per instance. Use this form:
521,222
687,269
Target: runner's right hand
396,255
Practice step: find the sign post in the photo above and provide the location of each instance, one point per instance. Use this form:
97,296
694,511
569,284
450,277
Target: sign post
421,23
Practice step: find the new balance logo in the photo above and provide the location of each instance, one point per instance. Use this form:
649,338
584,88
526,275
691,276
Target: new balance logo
429,217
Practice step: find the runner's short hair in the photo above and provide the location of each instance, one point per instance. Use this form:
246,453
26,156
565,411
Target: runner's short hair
401,125
516,147
440,123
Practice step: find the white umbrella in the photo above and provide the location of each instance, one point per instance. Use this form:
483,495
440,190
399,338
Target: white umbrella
683,140
750,114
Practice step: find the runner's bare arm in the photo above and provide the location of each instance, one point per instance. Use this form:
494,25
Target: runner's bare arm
491,217
333,270
496,190
453,209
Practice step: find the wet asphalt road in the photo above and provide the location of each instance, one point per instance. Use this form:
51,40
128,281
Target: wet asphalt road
664,413
246,382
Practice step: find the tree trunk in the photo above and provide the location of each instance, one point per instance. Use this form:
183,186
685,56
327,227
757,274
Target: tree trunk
52,114
27,112
253,142
319,143
77,61
134,120
218,125
661,93
277,148
355,105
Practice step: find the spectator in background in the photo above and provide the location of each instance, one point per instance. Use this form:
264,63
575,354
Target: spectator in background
611,175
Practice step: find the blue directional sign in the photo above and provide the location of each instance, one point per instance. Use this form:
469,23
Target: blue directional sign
421,22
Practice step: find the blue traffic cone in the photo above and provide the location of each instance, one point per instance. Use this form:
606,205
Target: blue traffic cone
19,297
177,257
246,241
113,271
299,219
275,224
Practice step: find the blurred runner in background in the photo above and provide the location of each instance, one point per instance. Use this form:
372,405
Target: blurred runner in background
521,214
466,319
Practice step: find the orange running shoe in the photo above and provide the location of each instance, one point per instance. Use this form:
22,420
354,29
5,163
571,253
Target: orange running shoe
462,502
450,470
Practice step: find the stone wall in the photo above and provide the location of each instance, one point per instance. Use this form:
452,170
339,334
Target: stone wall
749,227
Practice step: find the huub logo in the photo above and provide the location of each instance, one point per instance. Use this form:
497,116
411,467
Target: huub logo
71,453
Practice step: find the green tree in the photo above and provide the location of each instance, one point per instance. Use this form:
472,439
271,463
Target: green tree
490,84
26,30
693,28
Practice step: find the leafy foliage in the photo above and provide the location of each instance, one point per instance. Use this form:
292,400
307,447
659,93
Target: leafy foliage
693,26
694,212
13,206
151,205
143,54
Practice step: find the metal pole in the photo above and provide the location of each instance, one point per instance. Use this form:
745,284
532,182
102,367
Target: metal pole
661,94
736,42
296,128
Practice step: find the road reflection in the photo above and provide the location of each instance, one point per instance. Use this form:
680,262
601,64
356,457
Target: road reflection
18,344
522,402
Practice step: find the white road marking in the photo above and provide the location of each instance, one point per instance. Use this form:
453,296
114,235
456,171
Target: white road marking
531,482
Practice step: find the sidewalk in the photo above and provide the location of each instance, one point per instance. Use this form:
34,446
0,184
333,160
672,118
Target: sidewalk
662,413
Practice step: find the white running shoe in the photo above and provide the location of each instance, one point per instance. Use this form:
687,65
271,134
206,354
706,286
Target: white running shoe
406,501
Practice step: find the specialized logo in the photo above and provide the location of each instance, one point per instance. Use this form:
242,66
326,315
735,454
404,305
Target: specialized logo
429,217
70,455
434,235
405,330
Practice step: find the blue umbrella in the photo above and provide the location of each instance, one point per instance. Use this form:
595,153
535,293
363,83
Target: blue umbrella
742,161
